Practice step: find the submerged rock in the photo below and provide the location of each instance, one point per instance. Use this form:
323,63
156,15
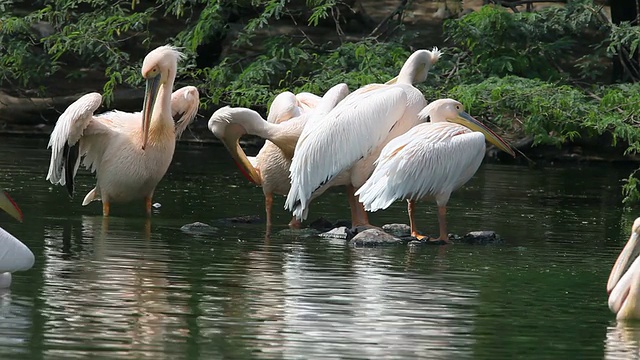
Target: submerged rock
321,224
425,241
482,238
374,237
341,232
398,230
303,233
247,219
198,228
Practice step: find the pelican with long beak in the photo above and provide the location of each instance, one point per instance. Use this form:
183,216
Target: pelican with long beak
288,115
14,255
624,281
129,160
430,161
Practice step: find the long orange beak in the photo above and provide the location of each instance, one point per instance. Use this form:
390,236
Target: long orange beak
468,121
230,135
9,206
150,97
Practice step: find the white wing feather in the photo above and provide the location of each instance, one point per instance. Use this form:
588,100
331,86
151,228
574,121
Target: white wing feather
68,130
346,134
431,159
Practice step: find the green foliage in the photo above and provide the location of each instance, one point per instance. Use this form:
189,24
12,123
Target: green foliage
497,42
285,66
555,113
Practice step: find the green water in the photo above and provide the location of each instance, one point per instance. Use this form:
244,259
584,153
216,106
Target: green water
128,288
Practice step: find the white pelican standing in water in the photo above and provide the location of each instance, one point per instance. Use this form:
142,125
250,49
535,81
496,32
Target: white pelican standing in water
287,117
270,163
624,281
430,161
14,255
346,142
129,160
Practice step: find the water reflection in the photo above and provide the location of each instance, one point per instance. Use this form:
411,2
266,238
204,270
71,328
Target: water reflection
15,323
372,312
107,282
623,341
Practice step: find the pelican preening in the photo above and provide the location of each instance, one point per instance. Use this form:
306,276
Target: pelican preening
431,160
288,115
184,107
345,143
14,255
624,281
129,160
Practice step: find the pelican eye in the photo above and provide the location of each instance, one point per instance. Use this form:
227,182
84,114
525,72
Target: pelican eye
153,72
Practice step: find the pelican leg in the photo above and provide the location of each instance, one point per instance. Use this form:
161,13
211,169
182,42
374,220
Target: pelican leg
442,223
412,222
147,204
105,208
268,204
359,216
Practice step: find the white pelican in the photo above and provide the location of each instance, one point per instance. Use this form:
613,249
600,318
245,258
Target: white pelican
346,142
129,160
270,163
14,255
624,281
184,107
429,161
287,116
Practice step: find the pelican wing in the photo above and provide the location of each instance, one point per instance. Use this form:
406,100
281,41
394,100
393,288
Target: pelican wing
76,122
348,133
184,107
430,159
14,255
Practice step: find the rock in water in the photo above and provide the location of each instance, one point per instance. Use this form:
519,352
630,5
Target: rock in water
341,232
301,233
374,237
247,219
397,230
482,238
198,228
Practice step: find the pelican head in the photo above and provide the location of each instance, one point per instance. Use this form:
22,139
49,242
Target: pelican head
9,206
417,66
158,68
623,285
224,128
453,111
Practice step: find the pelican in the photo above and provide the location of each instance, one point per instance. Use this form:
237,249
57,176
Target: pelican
431,160
129,161
624,281
288,115
14,255
346,142
270,163
184,107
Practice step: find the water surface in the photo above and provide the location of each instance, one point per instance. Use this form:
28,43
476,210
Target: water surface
127,287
